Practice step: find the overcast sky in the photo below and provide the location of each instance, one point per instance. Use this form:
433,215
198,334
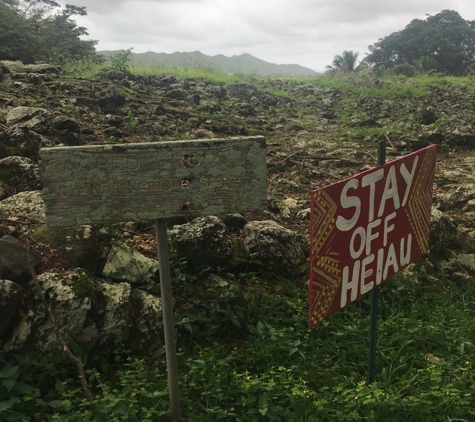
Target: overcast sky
305,32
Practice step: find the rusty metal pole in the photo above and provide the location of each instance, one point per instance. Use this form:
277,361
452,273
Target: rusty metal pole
168,321
373,325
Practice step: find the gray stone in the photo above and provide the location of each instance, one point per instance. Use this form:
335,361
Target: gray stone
462,278
80,244
21,141
34,118
146,335
460,198
443,232
15,260
10,296
276,247
111,98
127,264
20,173
90,310
27,204
204,241
85,310
468,262
235,221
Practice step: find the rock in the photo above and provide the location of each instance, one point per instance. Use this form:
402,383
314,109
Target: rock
241,90
15,260
79,244
127,264
443,232
33,118
20,173
177,94
235,221
110,99
462,278
460,198
27,204
146,333
276,247
10,297
89,310
21,141
426,115
15,66
63,123
217,91
468,263
204,241
73,306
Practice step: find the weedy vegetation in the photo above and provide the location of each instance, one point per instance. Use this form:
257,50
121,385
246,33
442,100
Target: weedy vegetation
248,355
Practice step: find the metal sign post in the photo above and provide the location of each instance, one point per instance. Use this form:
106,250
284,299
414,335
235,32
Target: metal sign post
168,321
373,324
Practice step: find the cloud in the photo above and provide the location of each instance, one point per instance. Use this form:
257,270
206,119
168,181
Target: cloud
307,32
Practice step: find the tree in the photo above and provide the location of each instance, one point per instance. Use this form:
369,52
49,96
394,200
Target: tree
61,36
426,64
18,40
346,62
33,31
446,38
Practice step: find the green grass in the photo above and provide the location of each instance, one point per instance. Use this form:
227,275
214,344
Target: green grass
252,358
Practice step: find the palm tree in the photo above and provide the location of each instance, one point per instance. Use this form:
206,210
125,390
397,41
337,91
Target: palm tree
426,64
346,62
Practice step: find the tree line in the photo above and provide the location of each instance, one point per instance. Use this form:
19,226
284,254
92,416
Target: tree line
442,43
40,30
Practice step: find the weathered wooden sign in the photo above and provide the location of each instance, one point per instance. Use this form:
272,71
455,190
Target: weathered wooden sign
128,182
367,228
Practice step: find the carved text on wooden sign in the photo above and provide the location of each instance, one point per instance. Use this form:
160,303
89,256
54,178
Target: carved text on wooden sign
128,182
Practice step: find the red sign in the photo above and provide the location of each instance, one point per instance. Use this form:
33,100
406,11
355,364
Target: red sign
367,228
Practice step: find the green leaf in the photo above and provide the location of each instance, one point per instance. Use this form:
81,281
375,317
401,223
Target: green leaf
9,371
25,389
8,384
263,400
120,408
59,386
5,405
263,411
13,416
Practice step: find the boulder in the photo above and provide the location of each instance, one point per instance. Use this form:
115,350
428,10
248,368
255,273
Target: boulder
204,241
110,99
146,333
10,296
27,204
443,232
241,90
20,173
80,244
87,310
33,118
21,141
468,263
460,198
124,263
276,247
15,260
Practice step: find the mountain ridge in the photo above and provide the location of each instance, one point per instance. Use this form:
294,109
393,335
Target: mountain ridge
244,63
